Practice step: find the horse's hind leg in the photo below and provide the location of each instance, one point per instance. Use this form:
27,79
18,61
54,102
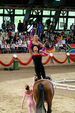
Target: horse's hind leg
49,109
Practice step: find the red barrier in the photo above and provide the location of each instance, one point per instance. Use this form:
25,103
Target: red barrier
60,61
47,60
8,63
26,63
72,57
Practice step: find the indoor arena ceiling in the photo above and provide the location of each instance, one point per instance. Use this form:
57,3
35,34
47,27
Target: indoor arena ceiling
36,3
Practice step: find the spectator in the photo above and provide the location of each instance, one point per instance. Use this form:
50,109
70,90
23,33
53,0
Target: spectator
10,34
1,38
20,45
2,47
16,37
13,47
20,26
7,48
39,28
13,34
72,27
4,26
24,46
22,35
20,42
5,35
13,27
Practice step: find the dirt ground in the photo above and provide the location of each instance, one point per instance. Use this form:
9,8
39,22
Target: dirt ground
12,89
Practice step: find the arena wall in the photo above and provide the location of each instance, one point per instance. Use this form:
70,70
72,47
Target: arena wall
6,58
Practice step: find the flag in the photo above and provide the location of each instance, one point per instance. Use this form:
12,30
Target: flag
70,48
50,49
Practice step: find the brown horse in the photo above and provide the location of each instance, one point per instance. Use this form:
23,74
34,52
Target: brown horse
43,91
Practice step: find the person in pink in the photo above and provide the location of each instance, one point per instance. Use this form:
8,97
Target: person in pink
30,101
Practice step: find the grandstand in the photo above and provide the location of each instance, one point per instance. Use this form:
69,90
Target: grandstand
56,18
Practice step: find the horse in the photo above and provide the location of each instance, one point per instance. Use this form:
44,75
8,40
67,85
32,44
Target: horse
43,91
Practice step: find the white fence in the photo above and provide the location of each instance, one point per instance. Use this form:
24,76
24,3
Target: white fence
60,84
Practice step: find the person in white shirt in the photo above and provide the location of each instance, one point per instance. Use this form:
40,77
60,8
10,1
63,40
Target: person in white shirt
5,35
24,46
2,47
13,47
19,42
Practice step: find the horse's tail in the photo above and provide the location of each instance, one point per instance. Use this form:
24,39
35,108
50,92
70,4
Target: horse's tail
40,102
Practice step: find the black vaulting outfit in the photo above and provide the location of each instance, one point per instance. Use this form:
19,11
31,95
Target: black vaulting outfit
37,58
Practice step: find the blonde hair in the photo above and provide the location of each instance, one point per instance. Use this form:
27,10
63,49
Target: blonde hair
35,38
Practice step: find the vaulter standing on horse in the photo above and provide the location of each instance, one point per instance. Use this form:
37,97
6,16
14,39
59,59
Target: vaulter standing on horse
35,49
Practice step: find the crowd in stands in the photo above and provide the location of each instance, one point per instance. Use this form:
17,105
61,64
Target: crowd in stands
15,42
